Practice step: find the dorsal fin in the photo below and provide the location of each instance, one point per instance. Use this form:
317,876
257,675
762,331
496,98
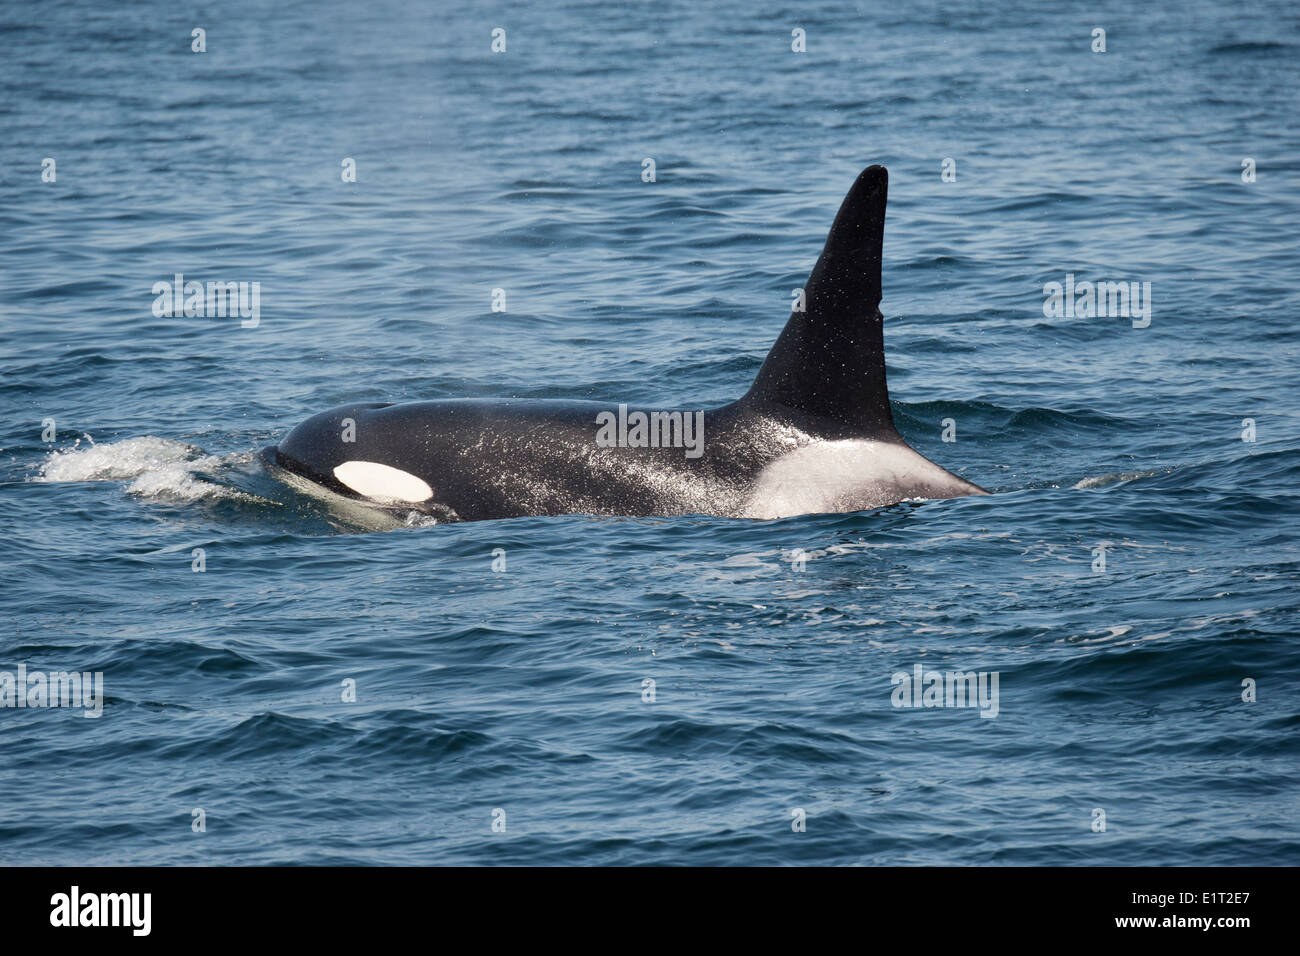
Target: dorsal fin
829,361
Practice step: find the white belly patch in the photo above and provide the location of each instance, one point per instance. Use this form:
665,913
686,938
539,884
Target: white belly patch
383,482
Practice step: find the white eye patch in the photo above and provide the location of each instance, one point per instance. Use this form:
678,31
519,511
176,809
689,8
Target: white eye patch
374,480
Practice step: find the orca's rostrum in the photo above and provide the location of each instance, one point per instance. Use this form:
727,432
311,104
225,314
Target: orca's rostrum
814,433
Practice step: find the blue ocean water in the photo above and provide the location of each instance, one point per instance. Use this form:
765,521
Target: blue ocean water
517,696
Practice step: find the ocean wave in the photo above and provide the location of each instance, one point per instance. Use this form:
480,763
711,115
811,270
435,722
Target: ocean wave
152,467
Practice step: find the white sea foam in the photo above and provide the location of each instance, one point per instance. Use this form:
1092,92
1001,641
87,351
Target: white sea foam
1102,481
153,467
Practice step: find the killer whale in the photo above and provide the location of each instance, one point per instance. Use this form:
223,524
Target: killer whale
813,434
